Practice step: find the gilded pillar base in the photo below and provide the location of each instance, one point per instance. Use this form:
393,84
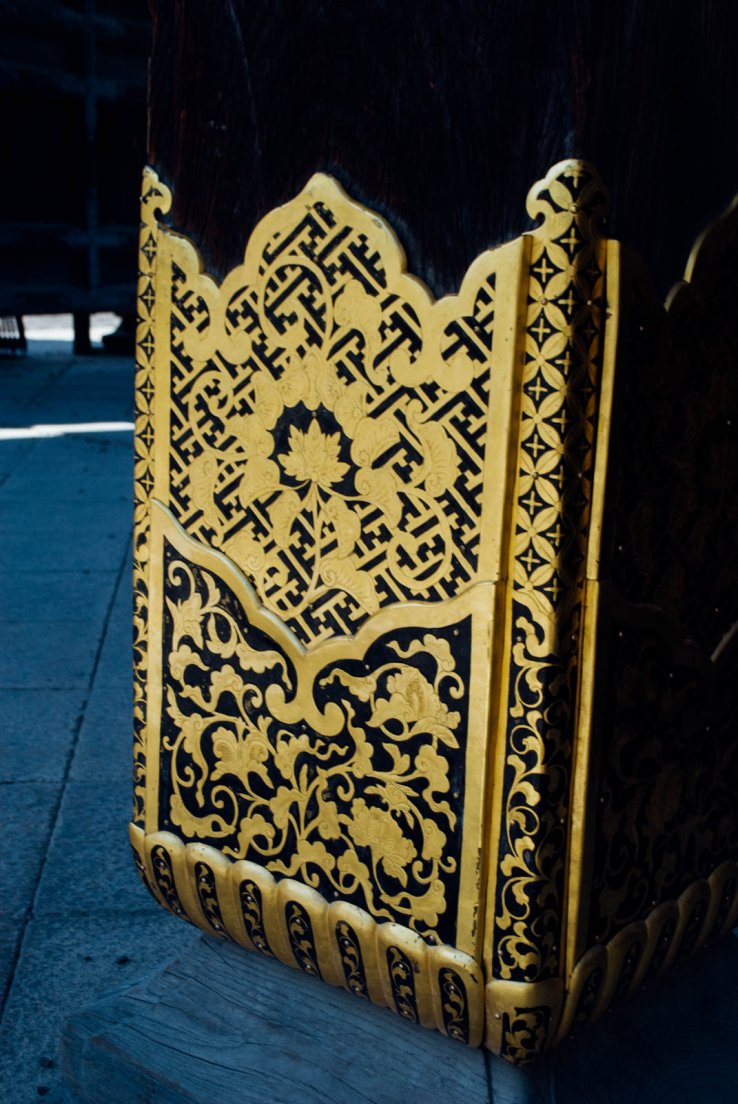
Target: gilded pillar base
374,610
388,964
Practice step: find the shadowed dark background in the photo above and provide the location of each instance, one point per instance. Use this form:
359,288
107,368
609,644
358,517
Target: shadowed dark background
73,109
441,114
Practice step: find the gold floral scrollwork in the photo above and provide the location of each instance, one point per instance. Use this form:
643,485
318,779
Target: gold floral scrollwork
521,1017
365,815
631,960
207,895
249,896
454,1005
351,959
662,946
164,878
300,934
402,983
525,1032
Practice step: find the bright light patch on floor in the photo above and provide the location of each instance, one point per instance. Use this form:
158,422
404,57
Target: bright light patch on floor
19,433
60,327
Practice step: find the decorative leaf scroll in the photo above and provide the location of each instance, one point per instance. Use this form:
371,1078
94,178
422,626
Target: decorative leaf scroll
372,815
328,424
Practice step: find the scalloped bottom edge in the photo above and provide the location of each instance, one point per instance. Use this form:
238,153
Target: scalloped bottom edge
435,986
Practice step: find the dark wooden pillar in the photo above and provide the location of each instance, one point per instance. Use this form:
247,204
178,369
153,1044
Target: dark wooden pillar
441,114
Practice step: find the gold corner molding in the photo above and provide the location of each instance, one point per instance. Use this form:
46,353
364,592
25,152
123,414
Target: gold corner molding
368,537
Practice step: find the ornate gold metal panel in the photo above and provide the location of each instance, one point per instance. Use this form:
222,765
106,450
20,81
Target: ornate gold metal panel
370,529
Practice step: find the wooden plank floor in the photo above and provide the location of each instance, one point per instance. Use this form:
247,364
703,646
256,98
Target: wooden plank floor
220,1026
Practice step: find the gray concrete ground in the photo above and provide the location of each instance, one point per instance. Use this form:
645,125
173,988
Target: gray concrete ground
74,921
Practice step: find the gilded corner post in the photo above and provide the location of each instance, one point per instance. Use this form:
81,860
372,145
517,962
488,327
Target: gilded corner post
561,364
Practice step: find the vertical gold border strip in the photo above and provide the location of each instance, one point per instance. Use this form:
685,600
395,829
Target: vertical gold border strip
474,838
584,793
162,399
481,822
515,294
604,416
155,689
163,361
143,389
155,198
510,267
562,336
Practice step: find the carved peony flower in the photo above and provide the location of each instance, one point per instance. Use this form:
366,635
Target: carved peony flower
239,756
313,456
377,829
416,706
287,751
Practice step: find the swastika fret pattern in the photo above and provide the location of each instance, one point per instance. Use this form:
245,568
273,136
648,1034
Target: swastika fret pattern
327,432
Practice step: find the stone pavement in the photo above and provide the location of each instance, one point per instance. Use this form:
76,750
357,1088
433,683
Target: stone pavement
75,922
